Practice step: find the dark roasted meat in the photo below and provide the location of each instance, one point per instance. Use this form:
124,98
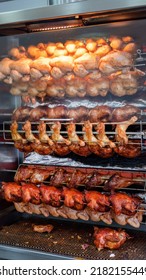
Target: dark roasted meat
109,238
123,203
117,182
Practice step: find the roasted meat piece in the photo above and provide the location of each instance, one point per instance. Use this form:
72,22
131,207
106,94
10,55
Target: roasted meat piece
73,198
37,113
57,178
21,113
114,61
121,136
42,148
78,114
24,173
123,203
117,182
30,193
130,150
24,148
43,228
94,180
51,195
109,238
124,113
97,201
12,191
100,114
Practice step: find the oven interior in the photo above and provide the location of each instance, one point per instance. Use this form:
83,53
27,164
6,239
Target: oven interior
72,239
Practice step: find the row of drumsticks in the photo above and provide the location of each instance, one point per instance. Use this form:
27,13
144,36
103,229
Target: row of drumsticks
93,139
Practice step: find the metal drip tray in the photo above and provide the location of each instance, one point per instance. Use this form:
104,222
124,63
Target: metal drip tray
68,239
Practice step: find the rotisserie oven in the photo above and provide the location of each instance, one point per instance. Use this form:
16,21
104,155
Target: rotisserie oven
73,130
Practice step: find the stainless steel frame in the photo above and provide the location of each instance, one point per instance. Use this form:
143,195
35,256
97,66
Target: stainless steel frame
29,14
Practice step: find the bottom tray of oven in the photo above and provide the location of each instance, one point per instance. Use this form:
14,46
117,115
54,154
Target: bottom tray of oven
68,240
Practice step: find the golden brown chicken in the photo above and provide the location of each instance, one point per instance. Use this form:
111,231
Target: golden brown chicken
114,61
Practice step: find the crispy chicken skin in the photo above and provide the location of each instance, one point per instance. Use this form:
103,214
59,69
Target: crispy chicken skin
97,201
124,203
109,238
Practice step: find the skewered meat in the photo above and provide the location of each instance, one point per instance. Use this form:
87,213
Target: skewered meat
58,112
95,145
37,51
42,148
38,175
117,182
30,193
56,136
97,201
97,87
24,148
37,113
114,61
24,173
124,113
73,198
78,114
56,88
94,180
20,69
20,88
72,135
78,146
124,84
40,67
74,179
57,178
109,238
76,86
96,114
16,137
123,203
12,191
62,147
43,228
88,136
100,113
102,50
17,53
28,133
130,150
43,136
5,69
102,137
89,61
120,130
37,88
21,113
51,195
65,63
